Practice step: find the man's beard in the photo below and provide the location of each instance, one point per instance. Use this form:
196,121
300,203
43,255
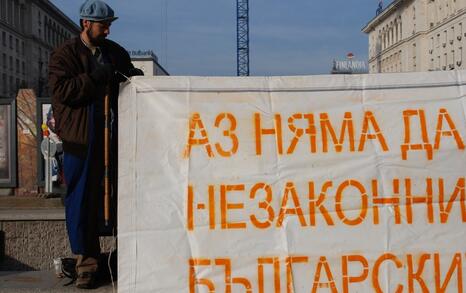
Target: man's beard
96,41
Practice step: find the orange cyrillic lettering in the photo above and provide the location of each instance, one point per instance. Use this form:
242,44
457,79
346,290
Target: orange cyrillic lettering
375,272
364,202
443,114
276,131
369,119
193,281
211,207
225,206
228,133
229,281
455,265
427,199
347,126
190,208
317,283
290,189
265,205
407,145
418,274
196,122
276,272
289,270
313,203
459,191
390,201
298,132
347,279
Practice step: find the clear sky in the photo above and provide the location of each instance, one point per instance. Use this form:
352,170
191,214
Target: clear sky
198,37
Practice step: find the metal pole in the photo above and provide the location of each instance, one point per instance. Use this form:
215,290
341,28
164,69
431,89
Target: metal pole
47,168
107,161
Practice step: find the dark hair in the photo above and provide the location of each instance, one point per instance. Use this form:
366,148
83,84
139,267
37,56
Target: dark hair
81,24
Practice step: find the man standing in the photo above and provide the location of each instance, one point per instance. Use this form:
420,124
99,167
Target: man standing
81,72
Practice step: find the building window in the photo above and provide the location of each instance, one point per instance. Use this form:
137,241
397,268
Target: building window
17,46
452,60
17,65
49,36
4,83
3,9
451,38
11,63
46,25
24,67
17,14
399,60
9,9
460,31
4,61
11,42
401,30
459,57
440,11
390,38
385,45
22,21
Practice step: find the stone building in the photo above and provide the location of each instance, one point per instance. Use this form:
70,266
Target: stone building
418,35
148,62
29,30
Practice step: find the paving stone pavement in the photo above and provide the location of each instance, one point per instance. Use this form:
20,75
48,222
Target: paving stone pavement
42,281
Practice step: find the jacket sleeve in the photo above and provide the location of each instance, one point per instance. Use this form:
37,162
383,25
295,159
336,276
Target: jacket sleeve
126,65
71,90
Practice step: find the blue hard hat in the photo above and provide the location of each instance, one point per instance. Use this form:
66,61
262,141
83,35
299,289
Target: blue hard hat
97,10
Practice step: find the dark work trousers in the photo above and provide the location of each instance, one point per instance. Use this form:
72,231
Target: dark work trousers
84,189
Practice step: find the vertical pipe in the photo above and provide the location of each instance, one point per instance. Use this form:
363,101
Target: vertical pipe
106,161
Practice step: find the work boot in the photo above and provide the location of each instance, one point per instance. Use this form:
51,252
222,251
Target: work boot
86,269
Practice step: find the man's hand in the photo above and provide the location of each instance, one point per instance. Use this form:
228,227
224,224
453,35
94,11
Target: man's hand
102,74
135,72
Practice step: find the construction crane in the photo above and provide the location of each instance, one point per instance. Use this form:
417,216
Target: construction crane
242,37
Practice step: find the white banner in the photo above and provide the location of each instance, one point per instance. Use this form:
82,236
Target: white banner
293,184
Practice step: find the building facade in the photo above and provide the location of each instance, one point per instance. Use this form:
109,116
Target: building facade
148,62
29,30
418,35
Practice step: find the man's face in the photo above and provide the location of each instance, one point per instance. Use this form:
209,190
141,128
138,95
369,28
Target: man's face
97,31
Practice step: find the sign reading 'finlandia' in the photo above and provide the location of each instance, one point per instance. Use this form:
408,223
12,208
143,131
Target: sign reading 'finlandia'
351,66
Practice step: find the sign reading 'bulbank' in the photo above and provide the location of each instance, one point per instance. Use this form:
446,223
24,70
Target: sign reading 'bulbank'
293,184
